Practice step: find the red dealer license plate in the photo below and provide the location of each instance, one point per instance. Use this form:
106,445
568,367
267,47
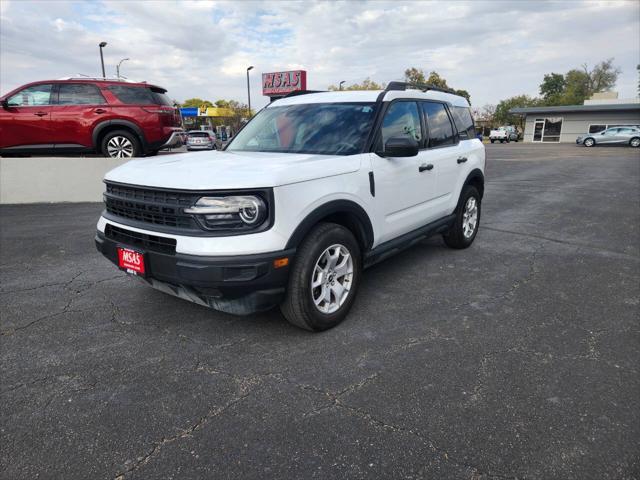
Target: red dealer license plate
131,261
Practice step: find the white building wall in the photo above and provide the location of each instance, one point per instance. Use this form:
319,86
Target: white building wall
576,123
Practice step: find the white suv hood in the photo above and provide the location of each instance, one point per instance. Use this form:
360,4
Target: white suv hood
229,170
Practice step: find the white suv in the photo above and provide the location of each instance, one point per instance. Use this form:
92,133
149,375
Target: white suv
315,188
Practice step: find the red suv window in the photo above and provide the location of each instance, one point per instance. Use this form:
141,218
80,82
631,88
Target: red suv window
140,95
79,94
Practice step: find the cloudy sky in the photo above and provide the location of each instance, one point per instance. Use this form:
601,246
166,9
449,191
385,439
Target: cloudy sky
202,48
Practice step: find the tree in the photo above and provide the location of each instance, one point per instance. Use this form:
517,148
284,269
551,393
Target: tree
576,89
367,84
502,115
414,75
552,88
577,85
602,77
196,102
240,114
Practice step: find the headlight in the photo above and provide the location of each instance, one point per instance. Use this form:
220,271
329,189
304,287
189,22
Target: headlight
239,212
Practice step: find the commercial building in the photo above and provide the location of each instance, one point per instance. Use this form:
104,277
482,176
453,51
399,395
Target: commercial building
564,123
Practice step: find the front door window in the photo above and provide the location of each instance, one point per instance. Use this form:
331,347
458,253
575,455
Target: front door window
35,96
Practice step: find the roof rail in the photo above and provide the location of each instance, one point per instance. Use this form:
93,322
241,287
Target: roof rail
104,79
418,86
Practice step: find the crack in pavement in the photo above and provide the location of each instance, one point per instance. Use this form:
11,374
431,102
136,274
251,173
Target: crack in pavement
622,255
65,285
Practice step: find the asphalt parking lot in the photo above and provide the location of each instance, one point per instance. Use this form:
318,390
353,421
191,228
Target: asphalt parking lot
515,359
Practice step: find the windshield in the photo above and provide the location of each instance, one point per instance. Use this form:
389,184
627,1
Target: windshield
321,128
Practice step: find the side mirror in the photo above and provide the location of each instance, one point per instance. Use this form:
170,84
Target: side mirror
400,147
5,103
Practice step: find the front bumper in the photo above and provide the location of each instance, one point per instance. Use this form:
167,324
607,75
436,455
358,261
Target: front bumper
240,284
579,141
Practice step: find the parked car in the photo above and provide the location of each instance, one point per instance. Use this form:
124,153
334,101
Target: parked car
201,140
312,190
117,118
621,135
504,134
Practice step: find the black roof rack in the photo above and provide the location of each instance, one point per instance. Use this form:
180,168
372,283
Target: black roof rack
418,86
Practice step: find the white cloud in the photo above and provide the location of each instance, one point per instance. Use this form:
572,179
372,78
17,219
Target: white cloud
202,48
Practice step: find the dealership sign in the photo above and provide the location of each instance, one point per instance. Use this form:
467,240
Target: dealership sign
280,83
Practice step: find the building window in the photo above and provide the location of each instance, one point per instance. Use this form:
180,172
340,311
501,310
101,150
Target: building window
552,128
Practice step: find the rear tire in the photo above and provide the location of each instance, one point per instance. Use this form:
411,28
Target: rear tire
492,140
465,227
634,142
120,144
324,278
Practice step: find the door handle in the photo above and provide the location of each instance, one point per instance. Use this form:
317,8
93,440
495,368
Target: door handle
100,110
40,114
462,159
424,167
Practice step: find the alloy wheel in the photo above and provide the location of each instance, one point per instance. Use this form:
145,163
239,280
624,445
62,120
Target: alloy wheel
120,147
332,278
470,217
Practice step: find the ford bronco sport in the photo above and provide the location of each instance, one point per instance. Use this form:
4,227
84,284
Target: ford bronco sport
312,190
117,118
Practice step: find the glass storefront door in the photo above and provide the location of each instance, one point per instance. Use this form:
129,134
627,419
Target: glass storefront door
537,130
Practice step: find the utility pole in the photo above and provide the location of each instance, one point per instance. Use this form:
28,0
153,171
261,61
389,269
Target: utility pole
249,90
102,45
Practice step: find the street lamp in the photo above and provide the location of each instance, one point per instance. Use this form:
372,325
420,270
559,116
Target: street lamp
340,85
248,90
102,45
118,66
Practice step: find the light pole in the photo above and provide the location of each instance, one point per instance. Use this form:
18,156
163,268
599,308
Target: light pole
340,85
248,90
102,45
118,66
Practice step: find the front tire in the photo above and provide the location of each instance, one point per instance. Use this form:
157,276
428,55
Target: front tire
589,142
634,142
324,278
465,227
120,144
492,140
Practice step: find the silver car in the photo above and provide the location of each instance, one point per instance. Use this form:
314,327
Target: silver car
624,135
201,140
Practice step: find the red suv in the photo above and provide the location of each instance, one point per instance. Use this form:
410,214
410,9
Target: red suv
117,118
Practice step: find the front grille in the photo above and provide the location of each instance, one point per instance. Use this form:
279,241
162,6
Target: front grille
157,207
140,240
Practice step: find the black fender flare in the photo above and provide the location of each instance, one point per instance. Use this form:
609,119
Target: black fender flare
100,127
475,174
348,207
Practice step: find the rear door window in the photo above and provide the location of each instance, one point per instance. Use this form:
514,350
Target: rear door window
79,94
36,95
439,125
464,122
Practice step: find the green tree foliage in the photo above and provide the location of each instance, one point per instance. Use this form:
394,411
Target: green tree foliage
502,116
196,102
416,75
577,85
367,84
552,88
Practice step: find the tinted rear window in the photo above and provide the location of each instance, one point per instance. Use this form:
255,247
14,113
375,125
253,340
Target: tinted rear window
198,134
140,95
